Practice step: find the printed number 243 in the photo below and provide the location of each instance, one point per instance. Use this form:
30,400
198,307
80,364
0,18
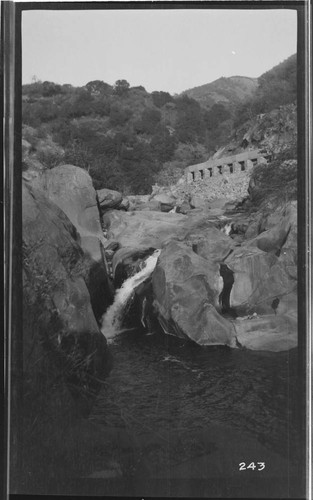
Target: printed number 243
258,466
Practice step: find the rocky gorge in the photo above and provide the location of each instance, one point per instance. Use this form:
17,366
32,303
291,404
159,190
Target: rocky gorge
197,263
224,276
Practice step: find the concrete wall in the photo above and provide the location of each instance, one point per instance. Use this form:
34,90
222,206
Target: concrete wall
227,165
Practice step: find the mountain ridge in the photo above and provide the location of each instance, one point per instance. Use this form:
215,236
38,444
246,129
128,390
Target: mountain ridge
227,90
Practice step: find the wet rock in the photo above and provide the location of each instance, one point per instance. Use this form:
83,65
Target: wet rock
273,333
126,262
186,288
109,199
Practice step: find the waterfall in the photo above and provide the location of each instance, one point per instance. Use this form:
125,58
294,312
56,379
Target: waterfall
227,229
111,320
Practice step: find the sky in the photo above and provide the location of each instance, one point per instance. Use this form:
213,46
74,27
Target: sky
169,50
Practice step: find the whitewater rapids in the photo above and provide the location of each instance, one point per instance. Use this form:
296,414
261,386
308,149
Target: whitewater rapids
111,320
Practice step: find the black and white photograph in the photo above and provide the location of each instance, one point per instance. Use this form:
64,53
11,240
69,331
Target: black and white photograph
158,349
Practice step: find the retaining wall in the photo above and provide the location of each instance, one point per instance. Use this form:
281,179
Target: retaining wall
234,164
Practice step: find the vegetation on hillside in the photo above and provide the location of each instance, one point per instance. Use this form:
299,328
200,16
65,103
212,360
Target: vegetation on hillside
229,91
127,138
121,135
276,87
276,180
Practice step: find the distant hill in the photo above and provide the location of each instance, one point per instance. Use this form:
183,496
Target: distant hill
229,91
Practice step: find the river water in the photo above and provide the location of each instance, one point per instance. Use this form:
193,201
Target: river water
179,406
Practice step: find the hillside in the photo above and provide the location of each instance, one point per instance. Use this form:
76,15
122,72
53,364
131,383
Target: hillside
123,136
274,135
229,91
128,139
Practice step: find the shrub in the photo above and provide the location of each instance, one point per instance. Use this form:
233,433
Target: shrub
276,179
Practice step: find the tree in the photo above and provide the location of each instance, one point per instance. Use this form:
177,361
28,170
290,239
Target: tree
150,119
97,87
161,98
49,89
163,145
189,124
121,87
216,115
119,115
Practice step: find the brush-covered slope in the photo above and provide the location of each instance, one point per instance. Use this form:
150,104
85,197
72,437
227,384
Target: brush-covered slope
128,139
229,91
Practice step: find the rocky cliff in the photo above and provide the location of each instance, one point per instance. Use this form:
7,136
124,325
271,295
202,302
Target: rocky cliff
65,355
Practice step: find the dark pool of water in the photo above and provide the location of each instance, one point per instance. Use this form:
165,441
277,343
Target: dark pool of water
178,401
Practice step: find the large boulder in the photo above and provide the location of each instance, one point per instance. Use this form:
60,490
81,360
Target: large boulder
143,229
71,189
56,278
151,206
65,356
289,253
137,200
272,239
211,243
261,282
166,201
109,199
125,204
199,202
273,333
186,291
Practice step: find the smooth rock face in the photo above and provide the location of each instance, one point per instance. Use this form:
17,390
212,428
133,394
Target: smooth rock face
266,266
274,238
198,202
62,341
137,200
259,279
109,199
186,290
273,333
151,206
143,229
166,201
211,243
71,189
125,204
